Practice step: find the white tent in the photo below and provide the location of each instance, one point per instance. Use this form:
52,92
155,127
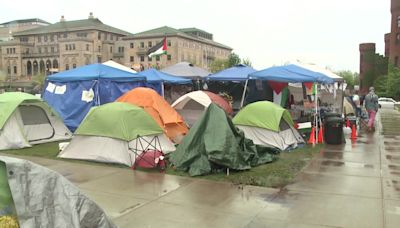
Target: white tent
27,120
111,63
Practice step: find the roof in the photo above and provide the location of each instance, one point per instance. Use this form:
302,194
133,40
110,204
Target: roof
186,69
193,29
68,26
169,31
238,72
21,21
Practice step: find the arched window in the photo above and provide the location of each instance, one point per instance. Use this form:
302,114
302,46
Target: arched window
42,67
48,64
55,64
35,67
29,68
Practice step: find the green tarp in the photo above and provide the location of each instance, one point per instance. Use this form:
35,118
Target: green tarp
263,114
214,142
118,120
10,101
7,206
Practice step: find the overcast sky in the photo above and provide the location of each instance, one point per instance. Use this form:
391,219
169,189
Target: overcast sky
268,32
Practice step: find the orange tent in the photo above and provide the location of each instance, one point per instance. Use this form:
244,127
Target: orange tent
170,120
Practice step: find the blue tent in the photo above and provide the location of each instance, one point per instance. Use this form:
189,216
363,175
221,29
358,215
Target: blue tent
291,73
72,93
236,73
152,75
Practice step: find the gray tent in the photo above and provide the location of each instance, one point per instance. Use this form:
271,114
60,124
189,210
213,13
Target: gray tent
44,198
187,70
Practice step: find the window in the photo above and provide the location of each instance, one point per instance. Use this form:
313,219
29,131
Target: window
65,35
73,46
149,59
105,36
99,36
66,66
39,39
99,59
110,49
142,44
14,50
150,44
398,21
52,49
132,59
23,39
45,38
27,51
169,43
9,70
40,50
81,34
51,38
66,47
120,49
15,69
132,46
169,57
87,47
46,50
142,58
111,37
74,65
8,50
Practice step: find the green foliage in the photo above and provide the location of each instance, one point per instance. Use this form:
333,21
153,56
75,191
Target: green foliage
233,59
247,62
351,78
218,65
380,85
393,82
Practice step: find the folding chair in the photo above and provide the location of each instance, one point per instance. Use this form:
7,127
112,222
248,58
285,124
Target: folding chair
148,154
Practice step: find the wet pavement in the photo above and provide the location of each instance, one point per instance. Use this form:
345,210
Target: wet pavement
356,184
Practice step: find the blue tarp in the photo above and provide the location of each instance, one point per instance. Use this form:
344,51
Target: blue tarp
64,91
290,73
153,75
236,73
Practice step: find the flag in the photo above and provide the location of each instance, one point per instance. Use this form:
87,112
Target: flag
159,49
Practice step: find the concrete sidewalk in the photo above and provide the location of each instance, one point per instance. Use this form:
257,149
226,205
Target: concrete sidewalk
351,185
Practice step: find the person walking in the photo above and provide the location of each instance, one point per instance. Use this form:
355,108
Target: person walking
372,106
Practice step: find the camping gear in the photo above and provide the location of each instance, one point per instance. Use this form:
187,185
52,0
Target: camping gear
116,133
165,116
237,73
214,143
268,124
186,70
150,159
193,104
44,198
73,92
26,120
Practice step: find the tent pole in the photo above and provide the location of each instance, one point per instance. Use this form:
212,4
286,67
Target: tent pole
316,112
244,93
162,90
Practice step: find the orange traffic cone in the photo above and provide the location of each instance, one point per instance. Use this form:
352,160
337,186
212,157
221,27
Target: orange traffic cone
312,136
353,132
348,123
321,135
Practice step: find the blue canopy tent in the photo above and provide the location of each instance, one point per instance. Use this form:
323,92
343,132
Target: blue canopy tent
158,79
72,93
292,74
238,73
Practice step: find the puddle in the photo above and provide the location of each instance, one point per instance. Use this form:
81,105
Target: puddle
347,164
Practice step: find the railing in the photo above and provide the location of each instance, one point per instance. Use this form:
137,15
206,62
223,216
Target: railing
36,54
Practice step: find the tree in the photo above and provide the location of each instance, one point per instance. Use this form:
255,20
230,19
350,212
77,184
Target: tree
351,78
393,82
218,65
247,62
233,59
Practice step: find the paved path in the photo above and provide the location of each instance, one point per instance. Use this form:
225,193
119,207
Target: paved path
352,185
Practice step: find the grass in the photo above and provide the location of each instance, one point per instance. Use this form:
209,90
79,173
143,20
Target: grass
276,174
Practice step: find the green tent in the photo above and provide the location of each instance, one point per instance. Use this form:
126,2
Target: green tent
26,120
263,114
268,124
214,142
10,101
116,133
118,120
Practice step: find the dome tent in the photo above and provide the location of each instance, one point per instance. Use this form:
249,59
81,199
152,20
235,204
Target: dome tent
26,120
111,132
268,124
192,105
158,108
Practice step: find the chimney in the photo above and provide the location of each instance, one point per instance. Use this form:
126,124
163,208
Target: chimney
91,15
62,19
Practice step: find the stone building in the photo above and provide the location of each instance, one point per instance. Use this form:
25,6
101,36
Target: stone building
189,44
58,47
8,29
392,39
